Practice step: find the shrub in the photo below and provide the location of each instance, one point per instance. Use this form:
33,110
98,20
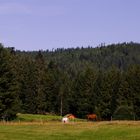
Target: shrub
123,113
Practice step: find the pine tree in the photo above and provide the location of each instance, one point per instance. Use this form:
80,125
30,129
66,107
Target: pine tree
84,91
133,79
8,86
52,88
26,78
108,93
40,83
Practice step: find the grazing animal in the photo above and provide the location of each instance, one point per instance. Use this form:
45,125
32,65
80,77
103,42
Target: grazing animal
92,117
70,116
65,120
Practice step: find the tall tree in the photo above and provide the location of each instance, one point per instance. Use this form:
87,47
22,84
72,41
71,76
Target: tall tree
40,83
108,93
26,78
52,88
86,97
133,79
8,85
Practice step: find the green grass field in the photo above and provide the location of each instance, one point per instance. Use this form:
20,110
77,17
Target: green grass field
123,130
41,118
37,118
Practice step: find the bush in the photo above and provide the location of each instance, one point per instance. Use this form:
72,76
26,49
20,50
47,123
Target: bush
123,113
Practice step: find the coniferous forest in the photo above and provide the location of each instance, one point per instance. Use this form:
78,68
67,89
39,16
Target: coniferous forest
104,80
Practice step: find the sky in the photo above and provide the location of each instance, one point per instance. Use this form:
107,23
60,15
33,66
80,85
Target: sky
50,24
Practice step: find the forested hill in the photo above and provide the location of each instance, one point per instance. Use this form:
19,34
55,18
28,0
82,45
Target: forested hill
103,57
103,80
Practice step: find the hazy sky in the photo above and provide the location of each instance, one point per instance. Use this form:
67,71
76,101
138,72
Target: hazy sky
47,24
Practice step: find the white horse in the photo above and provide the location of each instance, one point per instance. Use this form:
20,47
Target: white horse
65,120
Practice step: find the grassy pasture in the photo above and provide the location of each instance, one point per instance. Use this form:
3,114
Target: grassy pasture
115,130
41,118
37,118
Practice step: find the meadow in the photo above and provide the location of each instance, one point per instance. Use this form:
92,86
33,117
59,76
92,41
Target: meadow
56,130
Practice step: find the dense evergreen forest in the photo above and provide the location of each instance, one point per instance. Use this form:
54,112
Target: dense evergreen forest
104,80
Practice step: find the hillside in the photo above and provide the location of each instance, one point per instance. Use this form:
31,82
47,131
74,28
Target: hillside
104,80
120,55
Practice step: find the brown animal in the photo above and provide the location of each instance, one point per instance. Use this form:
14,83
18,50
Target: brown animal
92,117
70,116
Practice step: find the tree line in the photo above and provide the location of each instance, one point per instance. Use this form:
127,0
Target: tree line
104,80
